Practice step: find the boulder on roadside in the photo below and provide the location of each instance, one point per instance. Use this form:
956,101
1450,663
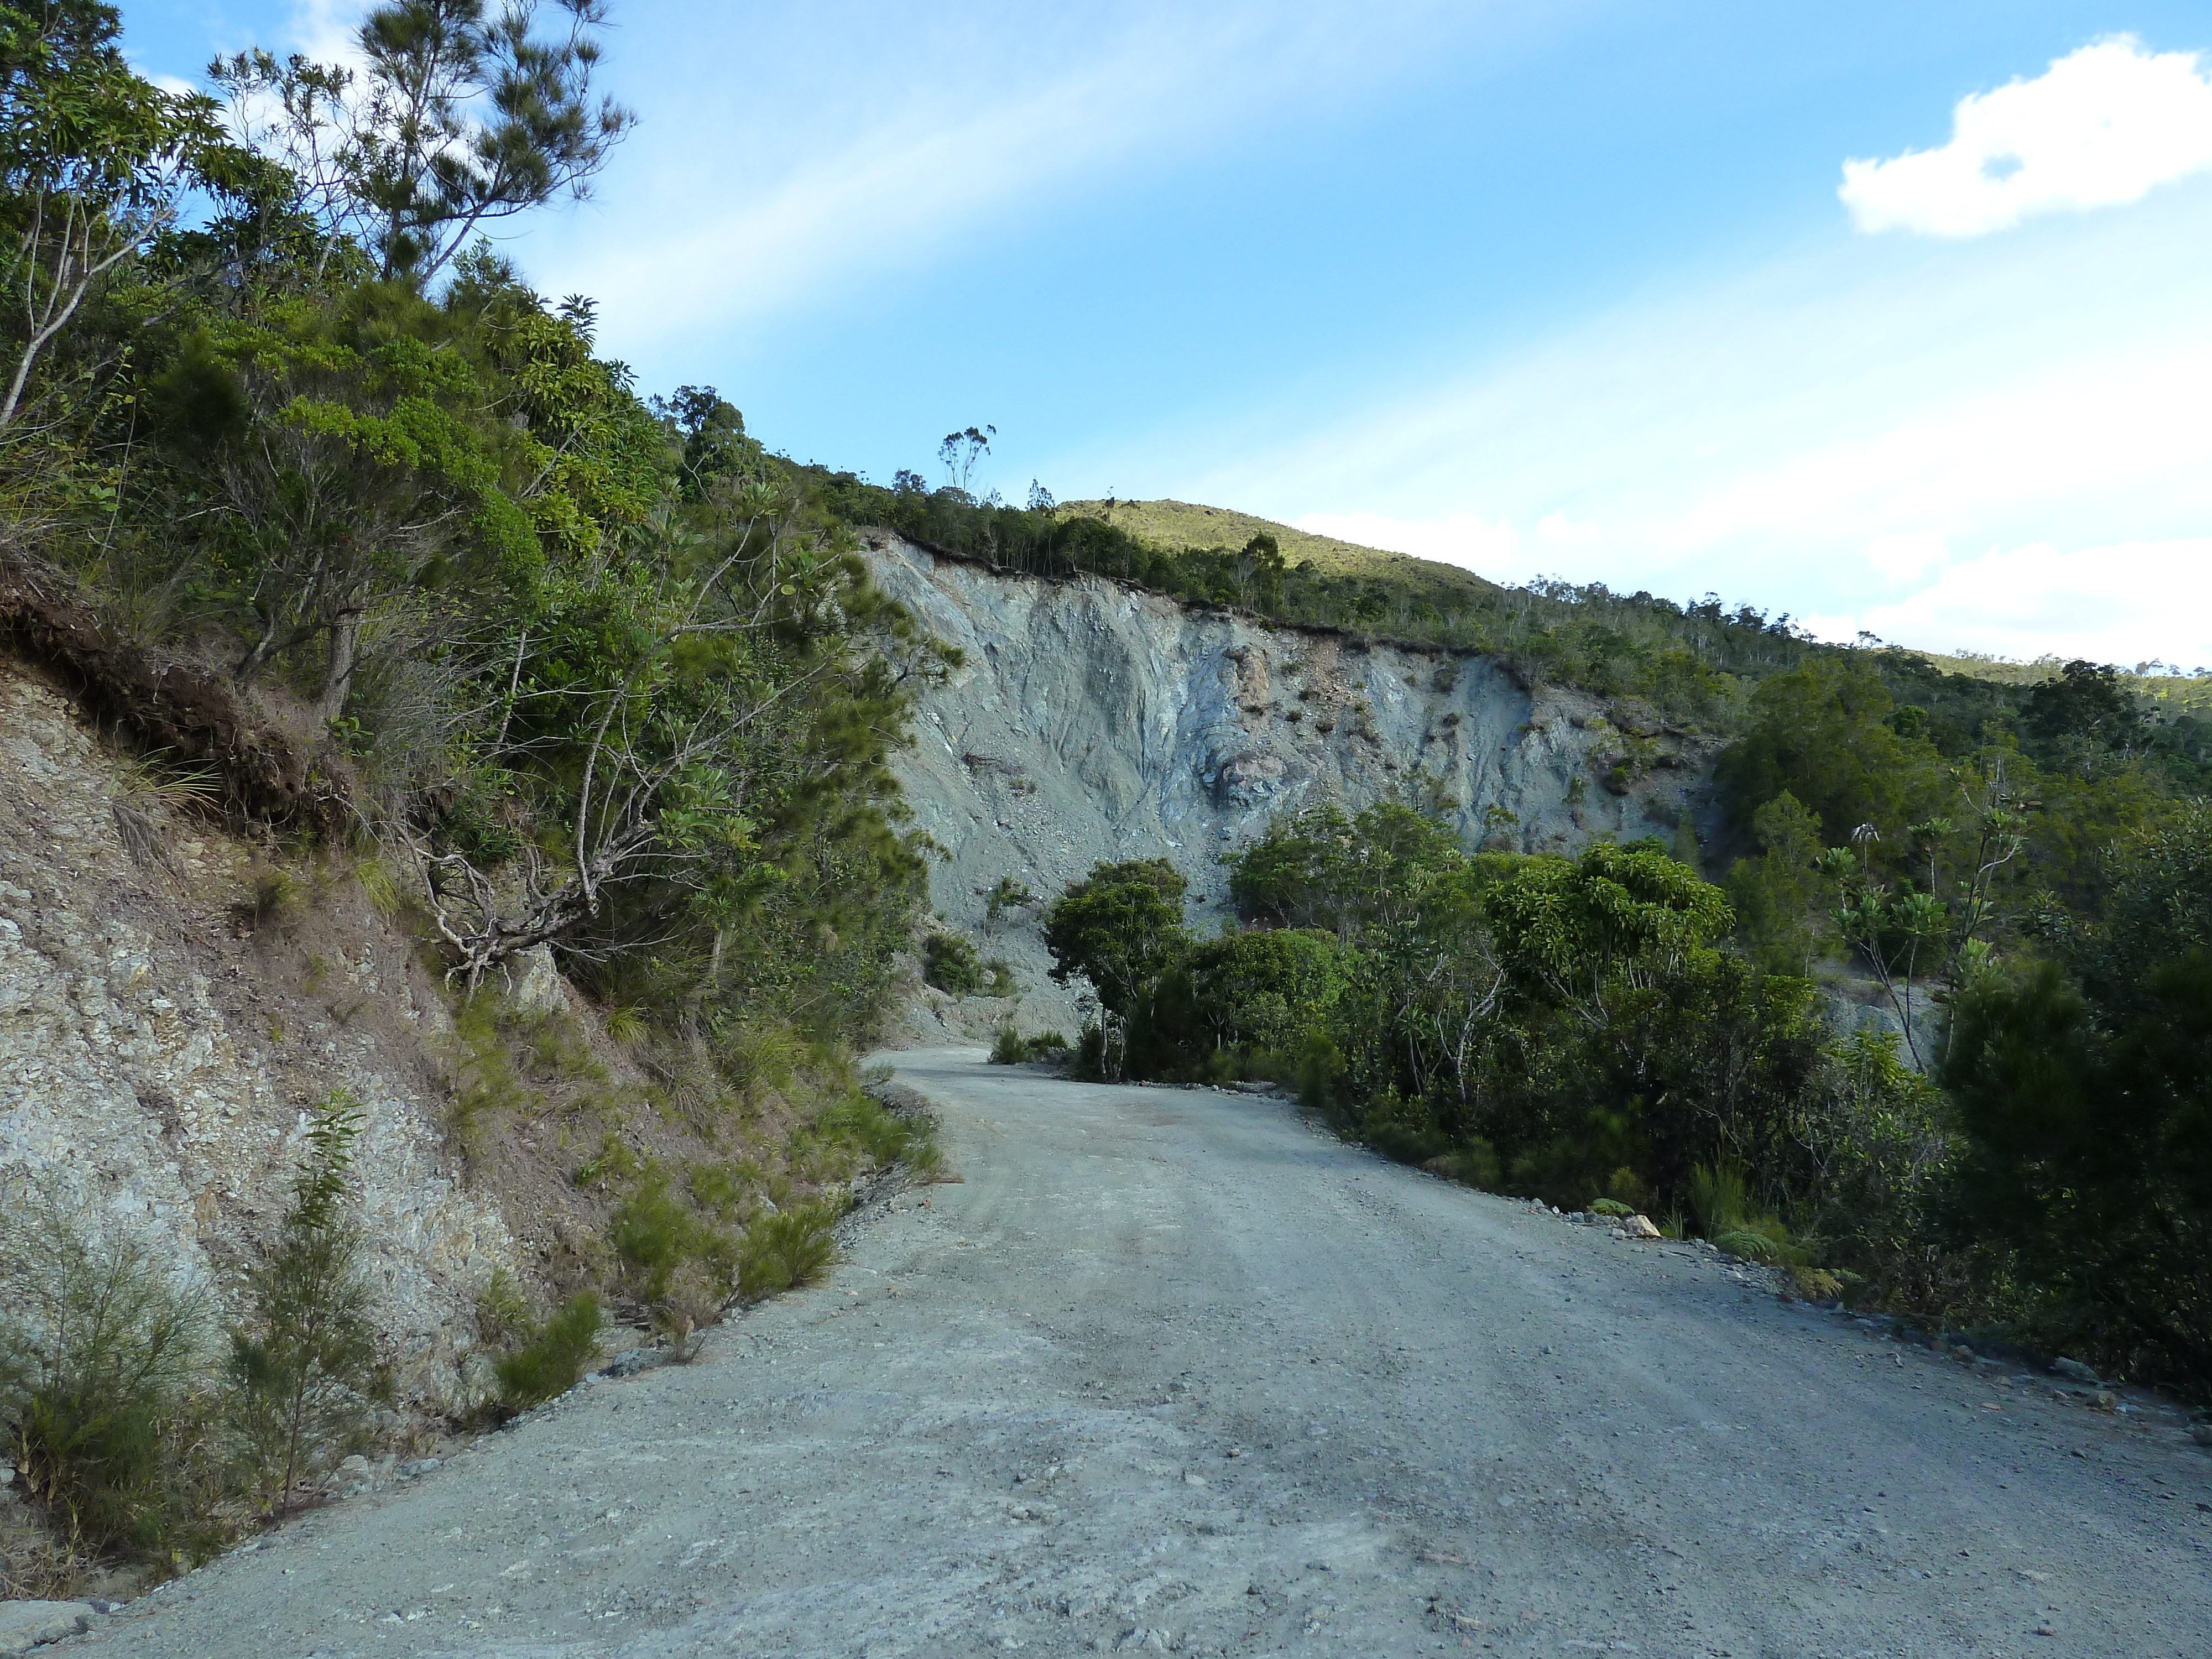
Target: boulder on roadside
1639,1226
2074,1371
28,1625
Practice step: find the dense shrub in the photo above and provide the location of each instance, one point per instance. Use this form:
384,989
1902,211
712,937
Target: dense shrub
2087,1168
949,962
101,1353
787,1249
551,1358
1010,1048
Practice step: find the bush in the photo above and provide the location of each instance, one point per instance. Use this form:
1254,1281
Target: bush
274,902
551,1360
101,1355
2087,1167
1612,1207
1010,1048
858,1121
1752,1246
948,961
1474,1162
1010,893
1626,1187
656,1236
1002,982
784,1250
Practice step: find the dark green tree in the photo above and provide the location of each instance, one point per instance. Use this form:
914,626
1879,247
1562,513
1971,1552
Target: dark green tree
2088,1167
2087,700
1822,733
1121,927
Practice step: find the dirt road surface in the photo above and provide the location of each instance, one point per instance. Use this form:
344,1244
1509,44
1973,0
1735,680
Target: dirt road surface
1172,1371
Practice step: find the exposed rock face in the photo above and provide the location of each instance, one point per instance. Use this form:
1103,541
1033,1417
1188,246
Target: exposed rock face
1092,721
151,1077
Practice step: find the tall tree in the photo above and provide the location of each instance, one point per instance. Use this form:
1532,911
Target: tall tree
463,116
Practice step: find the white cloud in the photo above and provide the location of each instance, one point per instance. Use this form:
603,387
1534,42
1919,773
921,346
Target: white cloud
1557,530
2123,603
1837,630
1462,539
2101,126
1905,556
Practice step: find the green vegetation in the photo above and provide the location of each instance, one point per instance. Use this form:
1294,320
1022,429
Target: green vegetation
126,1431
1010,1048
104,1379
1611,1032
1009,895
786,1249
2083,1085
949,962
361,543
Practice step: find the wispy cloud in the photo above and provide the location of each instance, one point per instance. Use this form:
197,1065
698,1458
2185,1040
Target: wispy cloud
2101,126
2128,603
748,204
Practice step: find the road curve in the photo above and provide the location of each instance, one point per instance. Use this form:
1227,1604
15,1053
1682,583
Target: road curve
1171,1370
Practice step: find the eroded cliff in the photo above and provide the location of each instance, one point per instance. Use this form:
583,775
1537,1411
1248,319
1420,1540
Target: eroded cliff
1093,721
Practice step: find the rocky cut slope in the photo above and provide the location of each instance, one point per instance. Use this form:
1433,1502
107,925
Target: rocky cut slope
1093,721
158,1066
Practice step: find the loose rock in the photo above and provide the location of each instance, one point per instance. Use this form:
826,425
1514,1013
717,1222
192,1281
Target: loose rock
28,1625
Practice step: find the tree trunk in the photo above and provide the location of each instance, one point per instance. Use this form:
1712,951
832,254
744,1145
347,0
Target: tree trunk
338,679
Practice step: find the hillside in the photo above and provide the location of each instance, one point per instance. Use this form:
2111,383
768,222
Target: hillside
1186,526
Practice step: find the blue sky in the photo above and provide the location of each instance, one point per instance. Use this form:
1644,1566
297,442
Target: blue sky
1582,289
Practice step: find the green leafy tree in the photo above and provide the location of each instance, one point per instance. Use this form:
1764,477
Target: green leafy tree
94,162
1258,572
2086,701
1821,732
959,453
1264,989
1122,928
1569,926
2088,1163
1776,893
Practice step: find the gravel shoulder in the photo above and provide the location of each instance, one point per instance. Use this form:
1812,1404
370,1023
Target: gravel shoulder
1170,1369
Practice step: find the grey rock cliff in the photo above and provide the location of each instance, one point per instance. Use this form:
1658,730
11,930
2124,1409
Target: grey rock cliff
1093,721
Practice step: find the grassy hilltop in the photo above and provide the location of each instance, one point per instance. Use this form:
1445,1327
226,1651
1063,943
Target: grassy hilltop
1181,526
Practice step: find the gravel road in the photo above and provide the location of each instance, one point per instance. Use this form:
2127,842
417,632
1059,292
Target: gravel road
1171,1370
